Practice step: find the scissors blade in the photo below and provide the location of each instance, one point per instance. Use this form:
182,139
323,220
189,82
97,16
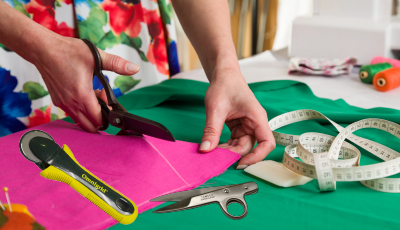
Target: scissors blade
131,122
178,206
178,196
192,202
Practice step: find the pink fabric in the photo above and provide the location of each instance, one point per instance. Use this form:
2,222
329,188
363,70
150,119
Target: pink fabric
379,59
140,168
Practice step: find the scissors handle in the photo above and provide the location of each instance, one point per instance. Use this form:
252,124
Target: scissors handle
105,113
225,203
235,194
112,100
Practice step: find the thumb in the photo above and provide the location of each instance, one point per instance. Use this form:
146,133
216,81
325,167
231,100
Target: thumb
117,64
212,131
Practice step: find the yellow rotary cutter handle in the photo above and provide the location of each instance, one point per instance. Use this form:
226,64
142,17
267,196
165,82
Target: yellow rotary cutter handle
60,164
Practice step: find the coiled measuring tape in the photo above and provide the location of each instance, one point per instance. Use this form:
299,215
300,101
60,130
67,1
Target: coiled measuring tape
330,159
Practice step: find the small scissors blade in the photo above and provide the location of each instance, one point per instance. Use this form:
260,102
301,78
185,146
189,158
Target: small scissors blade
178,196
213,196
194,202
178,206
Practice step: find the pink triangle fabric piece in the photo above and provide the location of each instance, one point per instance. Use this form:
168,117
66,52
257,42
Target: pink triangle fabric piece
141,168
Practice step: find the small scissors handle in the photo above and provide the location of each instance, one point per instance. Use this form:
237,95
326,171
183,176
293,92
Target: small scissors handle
226,202
235,194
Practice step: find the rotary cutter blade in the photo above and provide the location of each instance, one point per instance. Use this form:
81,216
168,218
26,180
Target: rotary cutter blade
59,164
26,151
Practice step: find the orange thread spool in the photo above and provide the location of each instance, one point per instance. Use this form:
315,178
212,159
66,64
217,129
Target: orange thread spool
387,79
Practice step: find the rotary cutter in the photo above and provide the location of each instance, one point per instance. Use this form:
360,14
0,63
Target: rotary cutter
60,164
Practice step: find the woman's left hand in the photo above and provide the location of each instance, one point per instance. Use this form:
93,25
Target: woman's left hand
229,100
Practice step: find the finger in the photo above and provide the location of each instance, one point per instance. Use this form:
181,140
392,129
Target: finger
232,124
238,131
258,154
243,145
212,131
85,123
117,64
262,130
229,142
70,114
74,117
224,146
92,110
80,119
265,140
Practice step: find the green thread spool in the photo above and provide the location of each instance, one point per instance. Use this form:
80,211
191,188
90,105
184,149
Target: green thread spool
367,72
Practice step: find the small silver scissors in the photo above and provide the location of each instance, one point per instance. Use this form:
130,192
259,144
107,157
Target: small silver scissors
224,195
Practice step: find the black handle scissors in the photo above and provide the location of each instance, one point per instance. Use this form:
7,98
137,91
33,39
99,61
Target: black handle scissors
119,117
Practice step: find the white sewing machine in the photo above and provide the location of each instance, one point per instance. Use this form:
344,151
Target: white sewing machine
343,28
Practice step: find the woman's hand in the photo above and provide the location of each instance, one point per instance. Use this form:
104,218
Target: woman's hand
229,100
67,69
66,65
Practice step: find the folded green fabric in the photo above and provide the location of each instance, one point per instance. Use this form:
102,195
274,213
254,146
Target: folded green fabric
179,105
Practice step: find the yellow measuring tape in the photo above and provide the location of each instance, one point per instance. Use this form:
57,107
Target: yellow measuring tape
330,159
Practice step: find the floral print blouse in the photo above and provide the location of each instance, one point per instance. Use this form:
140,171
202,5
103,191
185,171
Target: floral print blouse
141,31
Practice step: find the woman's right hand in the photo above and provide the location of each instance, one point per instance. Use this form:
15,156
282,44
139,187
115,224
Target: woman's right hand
66,66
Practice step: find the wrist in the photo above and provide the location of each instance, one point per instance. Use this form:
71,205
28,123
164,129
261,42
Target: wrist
47,47
224,68
37,45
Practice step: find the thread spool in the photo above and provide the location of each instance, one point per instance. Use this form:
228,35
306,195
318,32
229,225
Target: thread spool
387,79
379,59
367,72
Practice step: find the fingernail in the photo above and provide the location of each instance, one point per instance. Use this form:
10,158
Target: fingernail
241,167
132,67
205,145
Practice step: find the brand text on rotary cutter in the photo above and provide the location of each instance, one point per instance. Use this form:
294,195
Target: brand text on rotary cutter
94,183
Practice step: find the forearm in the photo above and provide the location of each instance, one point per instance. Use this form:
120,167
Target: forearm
22,35
207,24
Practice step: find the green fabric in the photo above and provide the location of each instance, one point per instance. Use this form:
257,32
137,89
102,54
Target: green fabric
179,105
